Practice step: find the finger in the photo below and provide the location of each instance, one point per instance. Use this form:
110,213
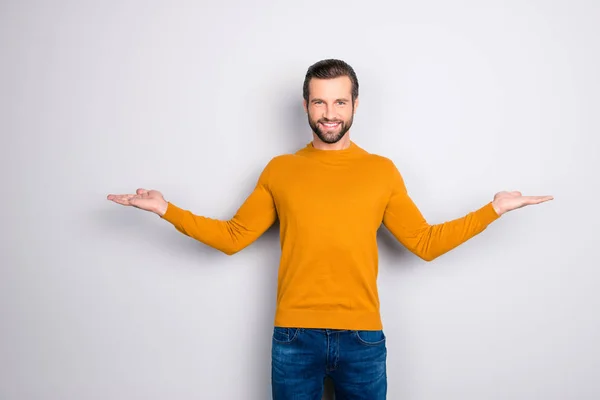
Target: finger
122,198
141,191
538,199
121,201
543,197
118,196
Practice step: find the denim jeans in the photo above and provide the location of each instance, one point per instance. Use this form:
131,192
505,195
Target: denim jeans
355,361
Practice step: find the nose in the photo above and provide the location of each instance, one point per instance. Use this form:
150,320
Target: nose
330,113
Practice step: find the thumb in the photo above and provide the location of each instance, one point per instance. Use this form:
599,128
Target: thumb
141,191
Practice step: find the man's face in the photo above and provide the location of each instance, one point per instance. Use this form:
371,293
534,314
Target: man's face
330,109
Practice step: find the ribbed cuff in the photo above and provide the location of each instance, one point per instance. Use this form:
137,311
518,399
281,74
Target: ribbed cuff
487,214
173,214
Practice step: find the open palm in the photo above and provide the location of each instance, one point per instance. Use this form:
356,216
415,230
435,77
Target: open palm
508,201
149,200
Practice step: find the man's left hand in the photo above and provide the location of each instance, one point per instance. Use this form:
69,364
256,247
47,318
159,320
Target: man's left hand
508,201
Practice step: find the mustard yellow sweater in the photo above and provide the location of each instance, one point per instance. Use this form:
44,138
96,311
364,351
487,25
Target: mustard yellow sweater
330,204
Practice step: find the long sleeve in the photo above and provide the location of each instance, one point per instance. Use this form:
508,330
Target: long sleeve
251,220
407,224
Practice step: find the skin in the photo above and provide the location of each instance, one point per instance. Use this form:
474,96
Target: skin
330,100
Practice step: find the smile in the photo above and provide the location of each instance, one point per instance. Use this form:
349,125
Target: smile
330,125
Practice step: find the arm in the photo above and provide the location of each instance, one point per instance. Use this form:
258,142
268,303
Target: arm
251,220
407,224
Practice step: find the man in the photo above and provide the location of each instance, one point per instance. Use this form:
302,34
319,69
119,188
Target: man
330,197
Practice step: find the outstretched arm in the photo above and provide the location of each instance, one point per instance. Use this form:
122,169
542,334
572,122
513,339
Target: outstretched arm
407,224
251,220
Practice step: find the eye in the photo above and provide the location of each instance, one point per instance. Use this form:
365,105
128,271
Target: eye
341,103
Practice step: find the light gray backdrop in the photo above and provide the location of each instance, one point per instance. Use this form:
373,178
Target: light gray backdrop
99,301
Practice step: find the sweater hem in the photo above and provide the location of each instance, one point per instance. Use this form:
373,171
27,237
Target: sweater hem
320,319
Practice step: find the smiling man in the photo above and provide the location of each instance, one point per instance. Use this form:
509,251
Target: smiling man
331,107
330,197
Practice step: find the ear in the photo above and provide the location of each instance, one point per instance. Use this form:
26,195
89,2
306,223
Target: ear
305,106
355,104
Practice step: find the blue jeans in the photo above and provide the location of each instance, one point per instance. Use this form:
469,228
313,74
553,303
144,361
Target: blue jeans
355,361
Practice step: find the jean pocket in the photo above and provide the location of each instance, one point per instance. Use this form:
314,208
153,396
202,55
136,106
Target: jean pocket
284,335
370,338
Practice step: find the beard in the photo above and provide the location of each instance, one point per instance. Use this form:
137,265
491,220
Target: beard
330,135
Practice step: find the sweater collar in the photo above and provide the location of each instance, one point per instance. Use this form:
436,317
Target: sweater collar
351,152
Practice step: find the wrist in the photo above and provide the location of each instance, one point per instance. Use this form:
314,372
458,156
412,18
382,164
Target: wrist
497,208
162,208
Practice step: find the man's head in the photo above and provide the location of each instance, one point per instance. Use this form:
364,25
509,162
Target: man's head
330,98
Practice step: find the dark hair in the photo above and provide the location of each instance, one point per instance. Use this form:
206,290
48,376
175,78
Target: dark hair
329,69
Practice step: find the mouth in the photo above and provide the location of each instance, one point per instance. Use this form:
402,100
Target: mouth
330,125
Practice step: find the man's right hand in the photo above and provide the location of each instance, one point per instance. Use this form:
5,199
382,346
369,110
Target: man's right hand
149,200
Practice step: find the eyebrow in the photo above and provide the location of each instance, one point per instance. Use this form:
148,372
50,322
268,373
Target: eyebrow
342,99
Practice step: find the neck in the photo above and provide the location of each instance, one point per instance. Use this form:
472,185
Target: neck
342,144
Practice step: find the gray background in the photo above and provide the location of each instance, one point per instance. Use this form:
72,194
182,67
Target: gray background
99,301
